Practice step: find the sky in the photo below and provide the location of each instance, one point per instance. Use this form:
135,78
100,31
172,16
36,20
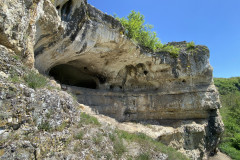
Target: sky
214,23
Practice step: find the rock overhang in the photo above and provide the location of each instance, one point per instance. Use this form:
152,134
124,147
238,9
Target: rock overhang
89,50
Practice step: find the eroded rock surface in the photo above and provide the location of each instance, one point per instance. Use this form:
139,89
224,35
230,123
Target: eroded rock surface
85,50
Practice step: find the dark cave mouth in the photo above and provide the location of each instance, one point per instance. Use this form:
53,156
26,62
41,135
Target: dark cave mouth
79,77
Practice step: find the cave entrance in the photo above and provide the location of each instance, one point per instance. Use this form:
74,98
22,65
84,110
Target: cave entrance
70,75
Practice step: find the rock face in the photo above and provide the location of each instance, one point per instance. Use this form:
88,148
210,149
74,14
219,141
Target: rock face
85,50
17,19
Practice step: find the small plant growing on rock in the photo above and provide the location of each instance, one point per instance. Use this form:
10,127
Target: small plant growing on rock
190,45
79,135
119,148
173,51
62,126
97,139
14,77
87,119
35,80
143,156
44,126
112,137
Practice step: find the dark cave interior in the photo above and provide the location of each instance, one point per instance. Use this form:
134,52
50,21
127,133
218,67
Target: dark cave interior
70,75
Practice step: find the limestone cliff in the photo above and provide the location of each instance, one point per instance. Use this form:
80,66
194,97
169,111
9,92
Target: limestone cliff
85,50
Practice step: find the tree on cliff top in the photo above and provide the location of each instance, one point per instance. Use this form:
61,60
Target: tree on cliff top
137,30
140,32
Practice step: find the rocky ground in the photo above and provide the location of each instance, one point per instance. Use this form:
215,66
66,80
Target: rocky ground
220,156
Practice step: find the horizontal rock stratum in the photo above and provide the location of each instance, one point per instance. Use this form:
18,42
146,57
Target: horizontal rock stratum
85,50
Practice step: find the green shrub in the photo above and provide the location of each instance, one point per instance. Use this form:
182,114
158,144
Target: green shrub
190,45
35,80
143,34
236,141
227,148
229,89
140,32
227,85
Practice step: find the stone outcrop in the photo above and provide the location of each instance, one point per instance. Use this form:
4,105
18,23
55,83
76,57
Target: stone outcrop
86,51
17,30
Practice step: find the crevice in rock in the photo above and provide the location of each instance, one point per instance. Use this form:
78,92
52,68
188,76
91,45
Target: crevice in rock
145,72
66,10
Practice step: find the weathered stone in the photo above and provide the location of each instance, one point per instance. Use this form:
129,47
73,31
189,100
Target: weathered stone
15,27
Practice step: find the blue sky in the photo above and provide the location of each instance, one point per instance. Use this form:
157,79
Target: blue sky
214,23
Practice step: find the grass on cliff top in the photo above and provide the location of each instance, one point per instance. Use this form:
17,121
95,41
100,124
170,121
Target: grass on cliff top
229,89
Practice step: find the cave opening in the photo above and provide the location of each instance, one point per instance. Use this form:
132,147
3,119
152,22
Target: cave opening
70,75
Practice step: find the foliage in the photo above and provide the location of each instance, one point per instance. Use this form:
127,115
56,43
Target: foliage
35,80
227,85
98,139
227,148
79,135
173,51
87,119
236,141
44,126
62,126
140,32
230,97
119,148
14,76
190,45
143,156
143,34
16,57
